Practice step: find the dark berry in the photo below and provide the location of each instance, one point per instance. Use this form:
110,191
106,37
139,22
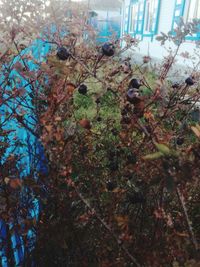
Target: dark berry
99,119
110,185
62,53
189,81
180,141
134,83
175,85
132,96
82,89
108,49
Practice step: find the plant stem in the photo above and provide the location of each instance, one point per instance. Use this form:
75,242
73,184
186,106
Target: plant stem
107,227
187,219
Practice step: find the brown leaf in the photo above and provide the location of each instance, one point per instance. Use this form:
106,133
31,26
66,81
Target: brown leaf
15,183
122,221
139,108
70,88
196,131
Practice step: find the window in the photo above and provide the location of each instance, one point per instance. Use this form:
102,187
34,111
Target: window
141,13
193,10
142,17
150,15
133,17
178,12
188,10
126,19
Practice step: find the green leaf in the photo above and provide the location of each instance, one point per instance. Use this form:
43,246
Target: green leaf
163,148
153,156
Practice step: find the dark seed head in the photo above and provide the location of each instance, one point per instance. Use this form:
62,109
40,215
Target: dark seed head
108,49
189,81
180,141
62,53
132,95
99,119
175,85
134,83
82,89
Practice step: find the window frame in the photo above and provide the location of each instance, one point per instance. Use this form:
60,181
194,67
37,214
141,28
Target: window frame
133,4
180,11
139,24
187,9
155,17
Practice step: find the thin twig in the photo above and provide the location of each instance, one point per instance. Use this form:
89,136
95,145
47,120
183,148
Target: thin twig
107,227
187,219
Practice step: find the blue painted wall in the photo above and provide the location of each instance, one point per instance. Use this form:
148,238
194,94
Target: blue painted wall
107,24
23,142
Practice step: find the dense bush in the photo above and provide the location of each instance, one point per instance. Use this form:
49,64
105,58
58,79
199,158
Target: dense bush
122,187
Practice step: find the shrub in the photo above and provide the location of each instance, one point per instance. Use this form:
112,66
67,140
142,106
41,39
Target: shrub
123,180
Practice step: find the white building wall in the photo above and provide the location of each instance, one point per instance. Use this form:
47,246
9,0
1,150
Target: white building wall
154,49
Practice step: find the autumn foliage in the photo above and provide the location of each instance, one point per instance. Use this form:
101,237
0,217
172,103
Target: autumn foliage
122,186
